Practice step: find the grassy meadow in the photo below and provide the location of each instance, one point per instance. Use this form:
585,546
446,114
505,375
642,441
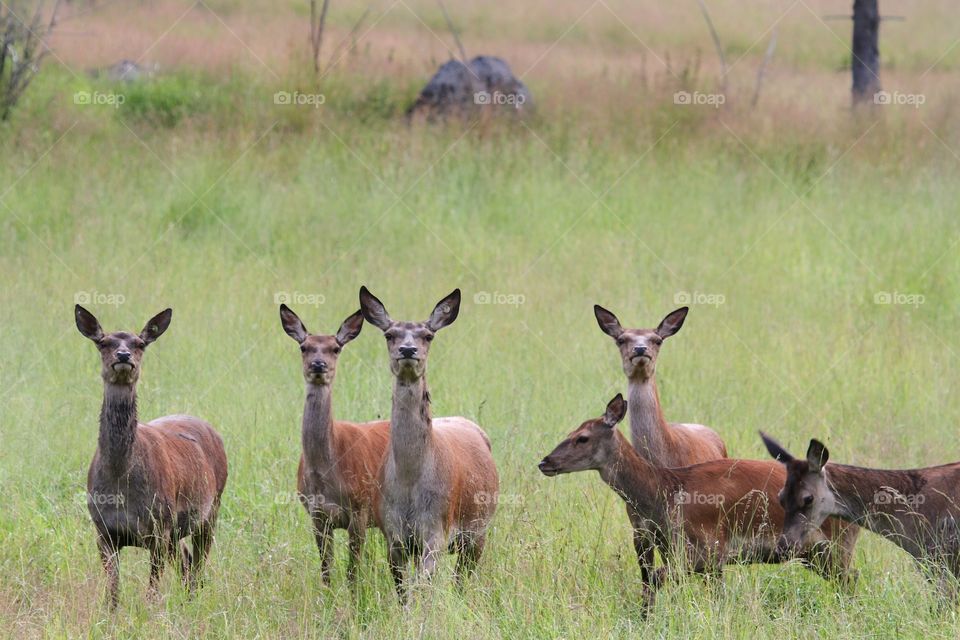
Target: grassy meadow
818,248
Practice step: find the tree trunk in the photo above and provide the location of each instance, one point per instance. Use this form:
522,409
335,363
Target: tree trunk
866,50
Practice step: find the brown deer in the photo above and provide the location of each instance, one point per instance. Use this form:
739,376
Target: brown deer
917,509
338,474
661,443
705,515
150,485
439,480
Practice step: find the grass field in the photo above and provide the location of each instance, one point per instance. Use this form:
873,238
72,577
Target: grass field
788,226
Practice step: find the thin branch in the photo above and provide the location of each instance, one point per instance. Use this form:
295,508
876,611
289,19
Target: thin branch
338,51
453,30
316,31
762,70
716,43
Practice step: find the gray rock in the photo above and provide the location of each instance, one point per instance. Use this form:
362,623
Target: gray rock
485,83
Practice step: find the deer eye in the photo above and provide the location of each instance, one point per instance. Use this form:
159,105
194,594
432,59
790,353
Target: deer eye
389,335
428,337
336,349
582,439
656,341
807,501
303,348
621,341
139,344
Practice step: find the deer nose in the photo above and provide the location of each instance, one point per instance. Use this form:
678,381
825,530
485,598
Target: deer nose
639,350
318,366
123,356
408,352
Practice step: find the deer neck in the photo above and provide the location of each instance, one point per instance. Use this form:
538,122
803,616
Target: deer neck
317,429
411,428
118,426
636,480
648,426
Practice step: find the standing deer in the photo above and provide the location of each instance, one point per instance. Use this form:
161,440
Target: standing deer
661,443
338,474
439,480
917,509
150,485
715,513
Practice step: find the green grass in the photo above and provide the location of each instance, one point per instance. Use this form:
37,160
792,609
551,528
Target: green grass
215,210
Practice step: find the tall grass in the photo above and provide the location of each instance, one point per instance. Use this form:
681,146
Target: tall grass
199,193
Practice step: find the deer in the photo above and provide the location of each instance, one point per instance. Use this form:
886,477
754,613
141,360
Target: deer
916,509
150,485
701,517
439,480
338,475
661,443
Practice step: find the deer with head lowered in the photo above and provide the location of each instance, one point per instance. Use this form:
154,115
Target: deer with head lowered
150,485
439,480
661,443
337,479
917,509
715,513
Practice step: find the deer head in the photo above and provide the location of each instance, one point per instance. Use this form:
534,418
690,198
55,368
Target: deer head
591,446
319,352
806,497
639,348
408,343
121,352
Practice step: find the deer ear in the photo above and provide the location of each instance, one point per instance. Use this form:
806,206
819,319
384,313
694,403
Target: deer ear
350,328
672,323
817,456
292,324
156,326
607,321
776,451
616,409
445,312
373,310
87,324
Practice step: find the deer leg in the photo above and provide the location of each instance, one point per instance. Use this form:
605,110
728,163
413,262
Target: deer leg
323,532
397,558
643,544
202,540
158,553
110,557
469,550
357,533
